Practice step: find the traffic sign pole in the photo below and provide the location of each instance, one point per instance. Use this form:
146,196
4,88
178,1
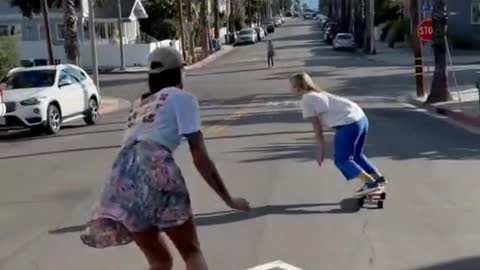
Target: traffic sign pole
417,46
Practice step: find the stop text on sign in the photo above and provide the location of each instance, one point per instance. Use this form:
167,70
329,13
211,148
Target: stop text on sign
425,30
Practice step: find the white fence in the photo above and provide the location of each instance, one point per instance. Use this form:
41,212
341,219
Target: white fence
108,54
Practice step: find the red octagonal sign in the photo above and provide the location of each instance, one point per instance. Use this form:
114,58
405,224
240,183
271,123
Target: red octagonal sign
425,30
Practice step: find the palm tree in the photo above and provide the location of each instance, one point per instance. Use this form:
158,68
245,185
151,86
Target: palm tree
70,31
439,89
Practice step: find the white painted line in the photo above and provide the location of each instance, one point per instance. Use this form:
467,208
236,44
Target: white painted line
275,265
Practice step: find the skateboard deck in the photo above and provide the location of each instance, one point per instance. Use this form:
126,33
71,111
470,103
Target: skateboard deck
376,198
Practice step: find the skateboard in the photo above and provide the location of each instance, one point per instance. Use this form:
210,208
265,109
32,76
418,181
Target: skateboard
375,198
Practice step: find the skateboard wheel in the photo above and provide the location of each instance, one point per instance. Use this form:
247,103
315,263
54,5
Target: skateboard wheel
380,204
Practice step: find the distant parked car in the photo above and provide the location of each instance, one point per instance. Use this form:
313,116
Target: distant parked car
261,33
308,15
270,27
278,21
344,41
247,36
44,98
330,33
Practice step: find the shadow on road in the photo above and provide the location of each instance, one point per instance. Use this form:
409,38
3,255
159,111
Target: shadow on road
467,263
74,150
346,206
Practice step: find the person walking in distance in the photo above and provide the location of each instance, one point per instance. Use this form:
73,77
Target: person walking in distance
270,53
351,125
146,194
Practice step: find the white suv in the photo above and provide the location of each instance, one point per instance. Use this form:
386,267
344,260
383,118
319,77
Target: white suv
43,98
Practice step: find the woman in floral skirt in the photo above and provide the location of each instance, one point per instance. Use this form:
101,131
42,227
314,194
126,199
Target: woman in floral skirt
146,193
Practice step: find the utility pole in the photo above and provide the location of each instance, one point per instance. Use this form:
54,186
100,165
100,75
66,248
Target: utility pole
191,39
120,35
46,21
93,42
417,48
182,28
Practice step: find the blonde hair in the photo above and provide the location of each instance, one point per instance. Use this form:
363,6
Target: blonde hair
303,81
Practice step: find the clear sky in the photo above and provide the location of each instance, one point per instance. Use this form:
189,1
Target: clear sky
312,3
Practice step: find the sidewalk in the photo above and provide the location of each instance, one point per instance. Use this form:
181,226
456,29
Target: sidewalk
464,108
404,56
211,58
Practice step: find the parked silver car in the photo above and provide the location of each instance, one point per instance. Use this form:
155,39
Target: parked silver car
344,41
247,36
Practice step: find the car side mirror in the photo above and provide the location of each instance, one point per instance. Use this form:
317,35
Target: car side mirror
64,82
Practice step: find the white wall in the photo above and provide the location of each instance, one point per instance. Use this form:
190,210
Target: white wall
108,54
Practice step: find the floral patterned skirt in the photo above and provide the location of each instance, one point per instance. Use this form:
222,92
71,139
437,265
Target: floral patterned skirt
146,189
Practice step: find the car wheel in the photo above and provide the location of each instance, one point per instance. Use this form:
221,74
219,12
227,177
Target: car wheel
93,114
54,120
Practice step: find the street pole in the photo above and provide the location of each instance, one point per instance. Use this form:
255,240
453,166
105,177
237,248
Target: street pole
93,42
417,48
120,35
182,29
46,21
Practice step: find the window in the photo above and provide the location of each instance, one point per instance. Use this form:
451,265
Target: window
43,33
3,30
60,31
77,74
475,13
66,75
30,79
100,30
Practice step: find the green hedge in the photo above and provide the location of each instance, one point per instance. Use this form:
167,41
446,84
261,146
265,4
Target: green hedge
9,57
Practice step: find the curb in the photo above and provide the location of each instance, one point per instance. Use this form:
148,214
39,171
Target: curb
462,118
211,58
110,105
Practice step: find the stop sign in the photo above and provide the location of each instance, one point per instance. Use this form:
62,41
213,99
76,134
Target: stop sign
425,30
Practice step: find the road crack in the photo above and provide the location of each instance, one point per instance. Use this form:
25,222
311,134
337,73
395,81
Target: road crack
371,246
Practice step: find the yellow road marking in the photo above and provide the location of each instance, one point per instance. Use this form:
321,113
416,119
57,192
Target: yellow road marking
218,129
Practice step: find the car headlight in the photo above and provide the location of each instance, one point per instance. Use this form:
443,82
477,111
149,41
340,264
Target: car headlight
33,101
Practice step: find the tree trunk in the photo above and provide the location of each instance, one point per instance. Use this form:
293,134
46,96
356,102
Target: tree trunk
46,21
182,28
205,30
191,33
70,31
216,14
439,90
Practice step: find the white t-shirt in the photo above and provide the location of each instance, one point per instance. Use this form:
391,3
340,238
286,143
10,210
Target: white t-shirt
164,118
331,109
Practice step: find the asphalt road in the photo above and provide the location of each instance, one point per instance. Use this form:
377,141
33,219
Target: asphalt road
302,215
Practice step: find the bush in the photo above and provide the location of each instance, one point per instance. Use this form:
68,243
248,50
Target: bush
8,55
385,31
163,29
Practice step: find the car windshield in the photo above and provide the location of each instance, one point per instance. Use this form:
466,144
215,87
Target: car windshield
30,79
246,32
344,37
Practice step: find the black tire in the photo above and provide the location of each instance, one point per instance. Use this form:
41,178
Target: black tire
380,204
360,202
93,114
54,120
